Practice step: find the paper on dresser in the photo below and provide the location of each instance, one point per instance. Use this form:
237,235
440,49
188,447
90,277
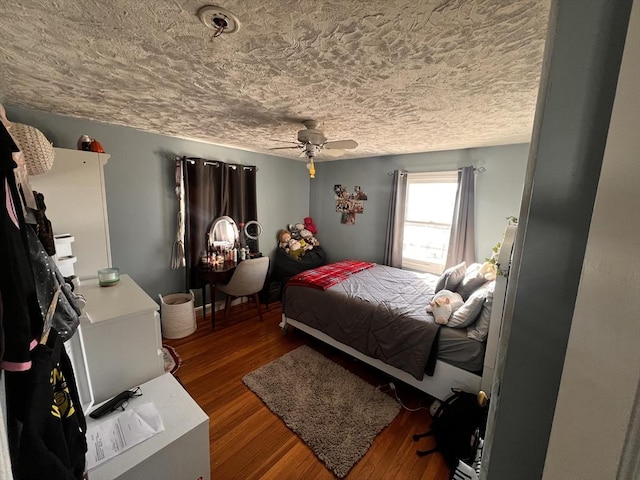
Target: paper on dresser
121,431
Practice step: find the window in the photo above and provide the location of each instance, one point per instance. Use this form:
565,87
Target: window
429,210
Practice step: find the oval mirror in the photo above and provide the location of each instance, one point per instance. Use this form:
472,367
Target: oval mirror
223,233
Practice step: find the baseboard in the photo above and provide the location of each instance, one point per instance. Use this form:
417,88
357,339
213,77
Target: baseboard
220,305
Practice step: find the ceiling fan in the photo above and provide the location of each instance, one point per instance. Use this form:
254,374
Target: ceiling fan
311,141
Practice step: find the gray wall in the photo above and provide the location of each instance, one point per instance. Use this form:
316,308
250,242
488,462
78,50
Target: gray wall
605,335
578,84
141,202
498,196
142,206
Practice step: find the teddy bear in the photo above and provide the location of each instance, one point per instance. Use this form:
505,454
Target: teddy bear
283,239
299,227
444,304
309,225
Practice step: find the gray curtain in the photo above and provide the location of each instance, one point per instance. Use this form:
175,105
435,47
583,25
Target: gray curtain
395,221
462,239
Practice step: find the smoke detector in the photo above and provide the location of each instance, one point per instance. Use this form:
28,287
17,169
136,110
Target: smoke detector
219,19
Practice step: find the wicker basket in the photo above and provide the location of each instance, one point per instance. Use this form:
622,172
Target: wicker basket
178,315
37,150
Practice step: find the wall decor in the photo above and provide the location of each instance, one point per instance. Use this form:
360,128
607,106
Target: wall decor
349,203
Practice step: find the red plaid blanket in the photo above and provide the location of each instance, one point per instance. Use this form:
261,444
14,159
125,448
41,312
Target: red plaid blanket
328,275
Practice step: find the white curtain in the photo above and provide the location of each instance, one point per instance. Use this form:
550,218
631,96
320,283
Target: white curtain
395,220
462,239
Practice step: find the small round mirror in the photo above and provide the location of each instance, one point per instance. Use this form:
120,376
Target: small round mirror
253,229
223,233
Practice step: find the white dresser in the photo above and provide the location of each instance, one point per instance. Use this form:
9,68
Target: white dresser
121,334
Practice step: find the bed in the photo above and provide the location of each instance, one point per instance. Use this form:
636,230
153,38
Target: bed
378,315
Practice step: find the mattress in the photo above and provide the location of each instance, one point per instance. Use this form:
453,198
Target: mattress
455,348
381,312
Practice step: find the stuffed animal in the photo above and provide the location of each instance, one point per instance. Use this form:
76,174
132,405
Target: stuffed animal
304,233
444,304
294,244
309,238
489,270
294,230
295,249
305,245
308,224
313,241
283,239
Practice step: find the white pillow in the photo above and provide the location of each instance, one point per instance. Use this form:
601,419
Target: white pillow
469,311
479,330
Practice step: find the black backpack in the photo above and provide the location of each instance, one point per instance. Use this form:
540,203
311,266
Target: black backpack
458,424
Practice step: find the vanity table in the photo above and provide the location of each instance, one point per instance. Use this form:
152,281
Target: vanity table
224,235
211,275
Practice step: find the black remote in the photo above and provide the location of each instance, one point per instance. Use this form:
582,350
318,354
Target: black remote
112,405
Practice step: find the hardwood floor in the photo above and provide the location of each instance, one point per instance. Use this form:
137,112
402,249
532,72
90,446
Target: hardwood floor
248,441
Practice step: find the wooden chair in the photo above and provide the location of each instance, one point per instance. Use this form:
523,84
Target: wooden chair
247,280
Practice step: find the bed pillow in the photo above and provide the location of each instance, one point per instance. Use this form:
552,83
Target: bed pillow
469,311
479,330
472,280
451,277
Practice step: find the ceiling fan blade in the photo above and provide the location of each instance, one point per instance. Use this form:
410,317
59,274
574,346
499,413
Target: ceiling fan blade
341,144
285,148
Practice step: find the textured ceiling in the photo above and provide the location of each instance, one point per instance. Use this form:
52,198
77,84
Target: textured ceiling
397,76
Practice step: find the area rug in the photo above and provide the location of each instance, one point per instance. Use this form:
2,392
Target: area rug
336,413
172,360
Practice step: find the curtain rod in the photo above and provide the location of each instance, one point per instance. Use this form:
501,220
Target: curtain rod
216,163
477,169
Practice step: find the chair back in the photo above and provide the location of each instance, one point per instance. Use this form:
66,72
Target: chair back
248,277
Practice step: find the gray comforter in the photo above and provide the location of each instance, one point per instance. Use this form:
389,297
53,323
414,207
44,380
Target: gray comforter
380,312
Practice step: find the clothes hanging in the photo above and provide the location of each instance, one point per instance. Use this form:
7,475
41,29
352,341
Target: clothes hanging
22,315
48,279
44,228
46,424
